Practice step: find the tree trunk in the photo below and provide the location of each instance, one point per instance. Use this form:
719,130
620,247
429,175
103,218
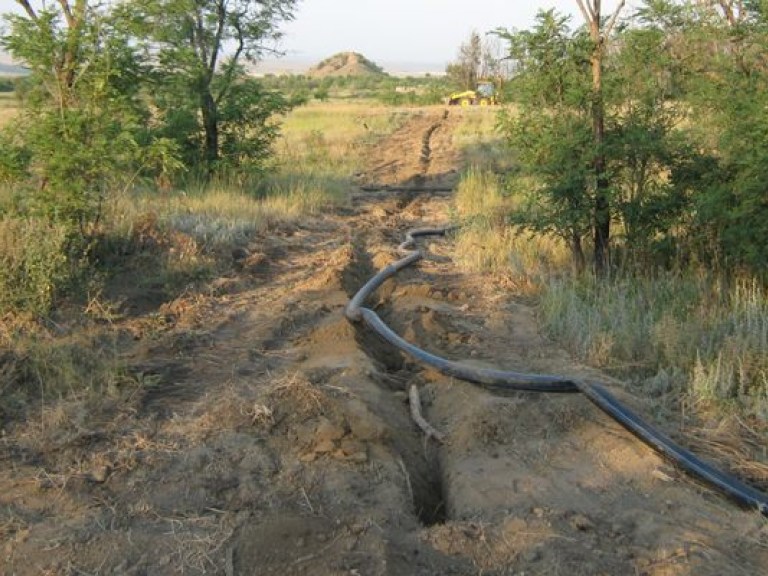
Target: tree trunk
602,210
209,112
578,260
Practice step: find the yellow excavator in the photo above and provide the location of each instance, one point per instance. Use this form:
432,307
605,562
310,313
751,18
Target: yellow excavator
483,95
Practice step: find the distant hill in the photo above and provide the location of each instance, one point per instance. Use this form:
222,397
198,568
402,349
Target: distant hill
346,64
12,70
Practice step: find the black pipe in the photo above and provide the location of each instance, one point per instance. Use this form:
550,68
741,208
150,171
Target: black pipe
487,377
726,483
502,380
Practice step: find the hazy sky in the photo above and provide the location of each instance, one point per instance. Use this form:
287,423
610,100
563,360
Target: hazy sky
416,31
407,30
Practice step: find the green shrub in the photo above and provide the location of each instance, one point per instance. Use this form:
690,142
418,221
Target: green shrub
34,263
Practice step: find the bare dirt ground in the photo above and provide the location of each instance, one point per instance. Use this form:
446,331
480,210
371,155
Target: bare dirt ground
272,437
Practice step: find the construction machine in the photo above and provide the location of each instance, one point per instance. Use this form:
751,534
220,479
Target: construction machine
483,95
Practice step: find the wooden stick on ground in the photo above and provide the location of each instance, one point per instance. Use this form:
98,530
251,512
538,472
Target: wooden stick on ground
426,427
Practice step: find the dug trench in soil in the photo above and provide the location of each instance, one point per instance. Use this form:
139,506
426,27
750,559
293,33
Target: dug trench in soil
545,492
506,381
400,483
544,484
420,463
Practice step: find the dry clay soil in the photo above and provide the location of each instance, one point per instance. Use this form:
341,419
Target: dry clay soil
270,436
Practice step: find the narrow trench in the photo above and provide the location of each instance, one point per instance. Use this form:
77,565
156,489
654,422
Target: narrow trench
421,463
426,148
429,503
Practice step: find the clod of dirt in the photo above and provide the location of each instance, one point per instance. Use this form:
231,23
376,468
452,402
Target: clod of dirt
352,450
239,254
99,474
581,522
253,263
327,431
364,424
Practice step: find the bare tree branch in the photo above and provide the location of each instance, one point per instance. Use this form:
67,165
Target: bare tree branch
67,12
200,44
585,11
28,9
612,20
232,66
221,15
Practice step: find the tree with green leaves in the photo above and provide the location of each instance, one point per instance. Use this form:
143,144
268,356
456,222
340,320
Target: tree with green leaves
466,70
586,159
549,132
81,125
198,49
723,47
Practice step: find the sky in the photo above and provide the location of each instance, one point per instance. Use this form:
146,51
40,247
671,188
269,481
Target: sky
428,31
399,31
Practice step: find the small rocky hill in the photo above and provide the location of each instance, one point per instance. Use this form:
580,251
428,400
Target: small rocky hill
346,64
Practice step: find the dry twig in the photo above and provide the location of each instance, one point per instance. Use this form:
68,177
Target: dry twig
426,427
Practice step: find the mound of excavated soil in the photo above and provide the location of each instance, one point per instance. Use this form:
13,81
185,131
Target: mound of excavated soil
346,64
270,436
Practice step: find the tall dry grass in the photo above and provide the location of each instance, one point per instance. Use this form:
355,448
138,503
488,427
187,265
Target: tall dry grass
480,143
487,244
685,338
679,335
315,159
8,107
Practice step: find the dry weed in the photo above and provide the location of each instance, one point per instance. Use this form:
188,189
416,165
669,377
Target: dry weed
296,397
198,542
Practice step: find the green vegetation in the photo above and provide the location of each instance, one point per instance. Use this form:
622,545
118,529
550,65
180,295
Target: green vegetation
390,90
680,305
681,154
116,103
7,84
163,243
206,105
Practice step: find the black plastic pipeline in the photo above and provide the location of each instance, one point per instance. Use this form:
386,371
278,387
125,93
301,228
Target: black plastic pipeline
726,483
500,380
503,380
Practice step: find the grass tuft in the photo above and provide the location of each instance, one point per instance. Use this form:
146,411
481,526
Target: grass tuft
674,334
488,244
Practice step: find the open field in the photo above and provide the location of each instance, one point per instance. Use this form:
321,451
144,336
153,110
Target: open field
8,107
214,413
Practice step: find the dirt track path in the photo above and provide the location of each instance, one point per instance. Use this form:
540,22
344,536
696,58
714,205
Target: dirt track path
275,437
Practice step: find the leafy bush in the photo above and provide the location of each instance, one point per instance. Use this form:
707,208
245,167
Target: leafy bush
7,85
